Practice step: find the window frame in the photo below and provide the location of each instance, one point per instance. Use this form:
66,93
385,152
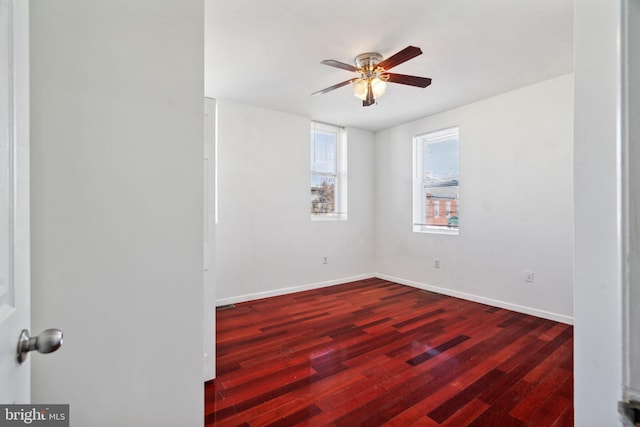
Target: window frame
421,186
340,175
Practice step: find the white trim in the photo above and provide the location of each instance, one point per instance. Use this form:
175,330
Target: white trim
420,187
292,289
209,214
434,229
332,216
483,300
628,93
624,199
439,135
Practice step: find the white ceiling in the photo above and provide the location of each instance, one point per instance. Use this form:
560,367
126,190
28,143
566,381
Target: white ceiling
268,53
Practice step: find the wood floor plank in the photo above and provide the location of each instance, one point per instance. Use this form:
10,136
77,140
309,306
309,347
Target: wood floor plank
374,352
549,413
412,416
444,411
556,359
466,414
540,394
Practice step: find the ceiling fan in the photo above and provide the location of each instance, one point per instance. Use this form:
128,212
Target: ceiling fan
371,67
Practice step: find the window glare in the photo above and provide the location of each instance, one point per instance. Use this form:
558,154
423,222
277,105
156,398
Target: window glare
324,152
441,159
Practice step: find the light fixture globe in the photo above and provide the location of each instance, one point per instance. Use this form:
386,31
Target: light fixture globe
378,86
360,88
367,64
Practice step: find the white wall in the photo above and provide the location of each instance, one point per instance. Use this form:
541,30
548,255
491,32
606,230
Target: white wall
597,295
266,243
516,203
117,211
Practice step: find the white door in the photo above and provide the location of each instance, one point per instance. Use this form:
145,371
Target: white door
14,197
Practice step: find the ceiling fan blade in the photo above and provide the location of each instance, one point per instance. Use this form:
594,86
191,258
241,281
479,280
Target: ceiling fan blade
404,79
338,64
330,88
404,55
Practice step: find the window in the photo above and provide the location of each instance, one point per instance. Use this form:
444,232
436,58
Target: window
328,172
436,182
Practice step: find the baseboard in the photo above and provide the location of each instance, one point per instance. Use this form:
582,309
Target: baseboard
483,300
292,289
463,295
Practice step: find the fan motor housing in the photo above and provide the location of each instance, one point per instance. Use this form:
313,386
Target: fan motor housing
368,60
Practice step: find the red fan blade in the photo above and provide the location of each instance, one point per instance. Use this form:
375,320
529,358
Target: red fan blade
338,64
403,79
404,55
330,88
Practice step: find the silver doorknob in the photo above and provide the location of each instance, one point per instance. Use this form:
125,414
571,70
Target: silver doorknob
47,342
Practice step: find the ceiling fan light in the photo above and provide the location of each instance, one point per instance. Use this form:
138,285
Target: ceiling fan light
360,89
379,87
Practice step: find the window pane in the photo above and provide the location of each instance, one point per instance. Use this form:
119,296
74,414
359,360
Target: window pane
322,194
323,158
439,200
441,162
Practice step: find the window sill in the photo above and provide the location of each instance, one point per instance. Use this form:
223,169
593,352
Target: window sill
435,230
329,217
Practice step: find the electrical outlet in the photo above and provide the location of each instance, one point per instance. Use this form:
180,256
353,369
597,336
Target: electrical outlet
325,260
528,276
436,264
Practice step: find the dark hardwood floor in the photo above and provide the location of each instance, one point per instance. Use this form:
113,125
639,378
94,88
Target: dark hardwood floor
373,353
